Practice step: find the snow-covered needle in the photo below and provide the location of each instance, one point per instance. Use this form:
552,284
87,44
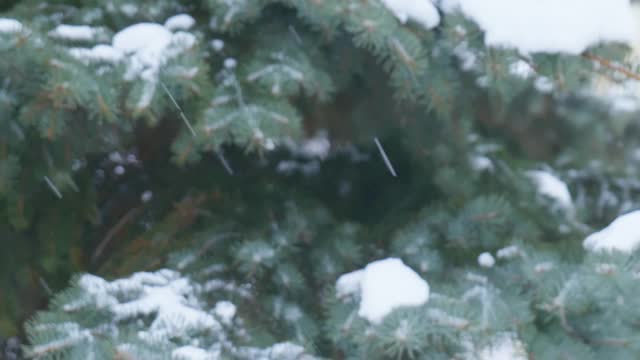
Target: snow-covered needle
45,286
385,157
182,115
295,34
224,162
53,187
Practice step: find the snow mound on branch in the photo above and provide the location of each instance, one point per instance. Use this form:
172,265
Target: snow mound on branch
420,11
143,47
99,53
551,186
481,163
225,310
179,22
623,234
74,32
8,25
142,37
384,285
164,295
349,284
567,26
145,44
486,260
147,47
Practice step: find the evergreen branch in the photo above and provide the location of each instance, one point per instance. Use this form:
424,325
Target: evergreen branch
610,65
57,346
571,331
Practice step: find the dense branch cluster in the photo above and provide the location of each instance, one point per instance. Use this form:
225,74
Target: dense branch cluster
302,179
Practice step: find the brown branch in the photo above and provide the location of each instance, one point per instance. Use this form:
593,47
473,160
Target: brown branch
575,334
531,64
610,65
114,230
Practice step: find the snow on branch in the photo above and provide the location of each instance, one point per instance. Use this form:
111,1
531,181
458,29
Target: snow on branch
384,285
164,294
623,235
567,26
10,25
420,11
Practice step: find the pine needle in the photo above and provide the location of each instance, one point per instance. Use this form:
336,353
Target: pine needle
182,115
53,187
224,162
385,157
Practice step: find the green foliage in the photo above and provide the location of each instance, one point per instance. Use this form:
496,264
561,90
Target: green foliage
195,175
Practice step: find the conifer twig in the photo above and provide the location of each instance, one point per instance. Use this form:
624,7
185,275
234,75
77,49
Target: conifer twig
113,231
573,333
610,65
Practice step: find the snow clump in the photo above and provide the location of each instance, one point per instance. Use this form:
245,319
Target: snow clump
384,285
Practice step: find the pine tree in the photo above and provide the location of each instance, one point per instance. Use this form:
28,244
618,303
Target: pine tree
307,179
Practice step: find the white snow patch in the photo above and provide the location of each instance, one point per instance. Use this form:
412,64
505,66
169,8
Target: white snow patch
486,260
191,353
622,96
468,59
145,43
449,6
115,157
625,104
384,285
420,11
181,41
349,284
180,22
99,53
481,163
74,32
147,47
509,252
623,235
521,69
73,334
551,186
225,310
506,348
230,63
279,351
146,196
543,84
286,349
315,147
217,44
8,25
164,294
568,26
